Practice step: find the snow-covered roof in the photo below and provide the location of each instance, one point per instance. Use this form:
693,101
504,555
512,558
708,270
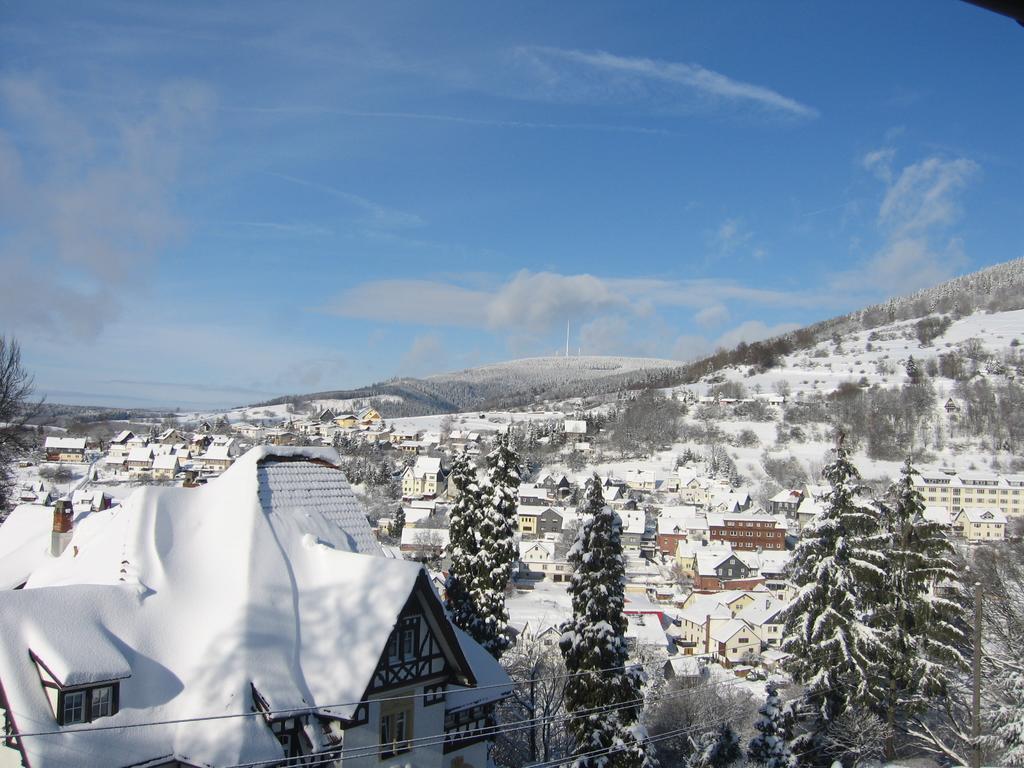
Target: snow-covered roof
217,452
123,436
165,461
193,596
426,465
983,515
938,515
142,453
724,632
65,443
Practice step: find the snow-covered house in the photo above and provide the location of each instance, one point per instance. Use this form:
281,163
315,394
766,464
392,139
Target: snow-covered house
218,457
540,560
424,478
166,466
65,449
140,459
534,521
785,502
248,621
977,525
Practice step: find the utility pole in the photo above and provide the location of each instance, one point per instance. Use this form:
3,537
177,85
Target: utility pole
976,703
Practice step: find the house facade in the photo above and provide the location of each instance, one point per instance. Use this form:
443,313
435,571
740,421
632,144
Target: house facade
424,478
747,531
980,525
65,449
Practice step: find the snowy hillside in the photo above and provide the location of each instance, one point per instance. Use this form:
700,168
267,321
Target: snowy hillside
878,356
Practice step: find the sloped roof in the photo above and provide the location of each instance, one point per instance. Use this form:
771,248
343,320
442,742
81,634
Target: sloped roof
66,443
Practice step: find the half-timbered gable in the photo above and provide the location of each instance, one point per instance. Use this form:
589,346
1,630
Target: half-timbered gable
422,649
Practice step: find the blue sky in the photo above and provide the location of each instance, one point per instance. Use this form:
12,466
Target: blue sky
208,204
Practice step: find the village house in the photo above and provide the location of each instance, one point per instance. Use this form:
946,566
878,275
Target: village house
361,656
980,525
140,460
424,478
539,560
346,420
369,417
537,522
166,466
677,524
218,458
65,449
119,447
745,531
724,571
785,503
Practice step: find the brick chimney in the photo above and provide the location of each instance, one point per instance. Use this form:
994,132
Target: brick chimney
63,523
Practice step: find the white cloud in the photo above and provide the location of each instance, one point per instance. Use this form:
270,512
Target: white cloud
600,76
924,195
709,317
920,202
533,303
89,198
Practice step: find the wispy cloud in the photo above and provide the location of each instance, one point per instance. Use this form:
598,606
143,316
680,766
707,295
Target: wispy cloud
378,216
921,202
455,119
538,302
86,200
599,76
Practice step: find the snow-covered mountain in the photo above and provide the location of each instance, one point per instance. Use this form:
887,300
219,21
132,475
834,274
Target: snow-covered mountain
501,385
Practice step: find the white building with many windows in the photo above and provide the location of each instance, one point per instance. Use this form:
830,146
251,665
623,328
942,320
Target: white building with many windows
971,490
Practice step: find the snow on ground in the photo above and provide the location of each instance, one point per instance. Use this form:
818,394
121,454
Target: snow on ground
476,421
824,367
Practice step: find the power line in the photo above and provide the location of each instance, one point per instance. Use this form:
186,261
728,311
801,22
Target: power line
433,740
292,712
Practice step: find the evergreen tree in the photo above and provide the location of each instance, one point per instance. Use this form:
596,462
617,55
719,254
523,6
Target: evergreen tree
770,747
921,633
1009,730
836,569
716,749
399,525
498,550
463,543
594,645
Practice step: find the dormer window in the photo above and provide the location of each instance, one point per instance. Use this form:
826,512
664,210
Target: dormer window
83,705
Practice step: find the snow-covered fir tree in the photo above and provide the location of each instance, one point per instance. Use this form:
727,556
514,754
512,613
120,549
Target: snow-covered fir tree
498,550
922,634
836,569
770,747
594,645
719,748
463,543
1009,725
399,525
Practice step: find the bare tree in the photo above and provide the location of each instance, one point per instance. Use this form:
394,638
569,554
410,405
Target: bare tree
539,696
15,411
857,737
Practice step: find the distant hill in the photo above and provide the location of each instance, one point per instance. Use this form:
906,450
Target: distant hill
500,385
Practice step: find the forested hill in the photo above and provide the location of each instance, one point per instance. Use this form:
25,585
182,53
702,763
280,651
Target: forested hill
501,385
